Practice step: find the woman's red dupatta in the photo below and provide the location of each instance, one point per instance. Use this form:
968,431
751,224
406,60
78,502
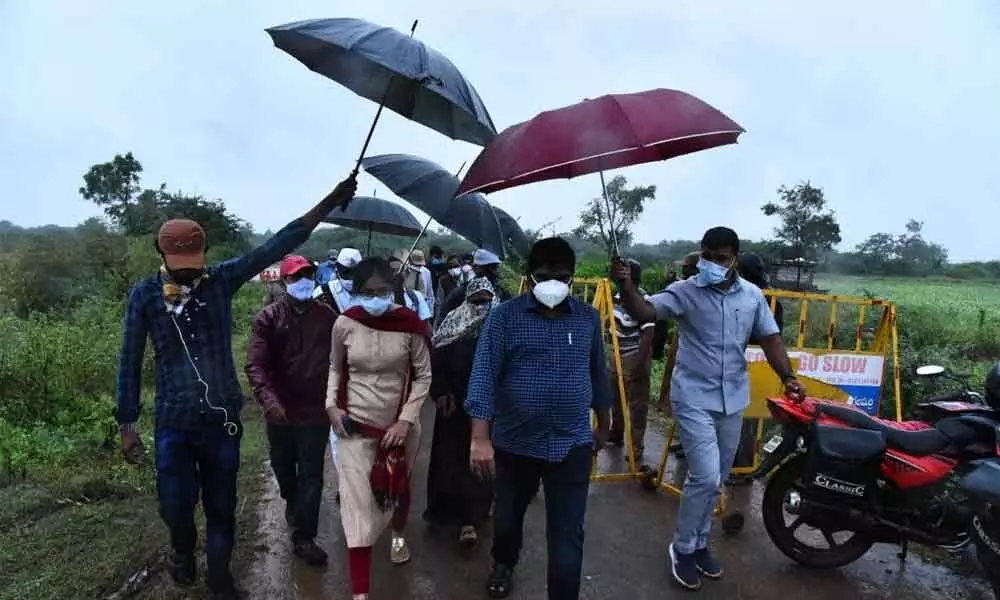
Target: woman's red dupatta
390,474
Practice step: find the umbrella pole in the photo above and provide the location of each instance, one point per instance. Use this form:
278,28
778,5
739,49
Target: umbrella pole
416,241
378,114
413,246
368,251
611,224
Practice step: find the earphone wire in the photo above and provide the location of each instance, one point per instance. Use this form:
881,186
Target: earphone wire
231,428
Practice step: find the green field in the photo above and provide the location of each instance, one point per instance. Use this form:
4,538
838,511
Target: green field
965,298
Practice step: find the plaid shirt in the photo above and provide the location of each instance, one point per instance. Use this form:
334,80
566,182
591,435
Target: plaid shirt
536,378
206,326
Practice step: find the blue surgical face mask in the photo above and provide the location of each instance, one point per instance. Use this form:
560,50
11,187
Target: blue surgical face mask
374,305
710,273
301,289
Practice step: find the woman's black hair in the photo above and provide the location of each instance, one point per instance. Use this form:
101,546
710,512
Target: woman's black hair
371,267
551,252
718,238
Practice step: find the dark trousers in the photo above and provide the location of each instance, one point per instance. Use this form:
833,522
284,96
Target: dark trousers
205,461
297,455
566,485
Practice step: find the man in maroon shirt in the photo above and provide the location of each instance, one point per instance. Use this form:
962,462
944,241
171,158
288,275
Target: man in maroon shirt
288,363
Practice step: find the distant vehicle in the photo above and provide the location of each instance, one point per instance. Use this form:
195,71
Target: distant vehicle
794,274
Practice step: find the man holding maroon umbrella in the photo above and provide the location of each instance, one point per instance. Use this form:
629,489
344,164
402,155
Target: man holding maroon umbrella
717,313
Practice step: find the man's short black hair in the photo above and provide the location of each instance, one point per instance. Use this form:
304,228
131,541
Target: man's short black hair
752,268
553,252
718,238
436,251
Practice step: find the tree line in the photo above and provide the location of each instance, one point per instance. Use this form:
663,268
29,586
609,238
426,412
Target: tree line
807,228
52,268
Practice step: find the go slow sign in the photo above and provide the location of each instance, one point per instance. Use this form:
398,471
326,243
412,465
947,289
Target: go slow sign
857,375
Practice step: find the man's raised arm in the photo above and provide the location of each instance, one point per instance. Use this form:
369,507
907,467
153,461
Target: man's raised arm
237,271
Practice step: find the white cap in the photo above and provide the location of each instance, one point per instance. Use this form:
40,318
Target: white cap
349,257
481,258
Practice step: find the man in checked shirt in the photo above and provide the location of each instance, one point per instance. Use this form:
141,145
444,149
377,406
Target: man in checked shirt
186,309
538,372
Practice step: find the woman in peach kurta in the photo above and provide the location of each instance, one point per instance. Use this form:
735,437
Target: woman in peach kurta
380,375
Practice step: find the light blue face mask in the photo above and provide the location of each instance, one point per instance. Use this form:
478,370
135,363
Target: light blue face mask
302,289
374,305
710,273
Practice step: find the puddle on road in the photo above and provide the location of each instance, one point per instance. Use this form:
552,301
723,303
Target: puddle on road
756,569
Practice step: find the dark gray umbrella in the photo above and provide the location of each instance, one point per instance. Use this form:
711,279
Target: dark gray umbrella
428,186
393,69
512,233
375,215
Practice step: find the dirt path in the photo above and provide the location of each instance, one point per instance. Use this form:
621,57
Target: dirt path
624,558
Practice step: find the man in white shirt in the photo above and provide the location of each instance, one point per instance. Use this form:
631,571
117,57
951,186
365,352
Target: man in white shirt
408,297
419,264
337,291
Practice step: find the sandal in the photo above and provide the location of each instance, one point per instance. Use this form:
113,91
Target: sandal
468,536
399,551
500,581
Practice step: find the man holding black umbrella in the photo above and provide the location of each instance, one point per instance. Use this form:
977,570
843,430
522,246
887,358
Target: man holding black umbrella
186,309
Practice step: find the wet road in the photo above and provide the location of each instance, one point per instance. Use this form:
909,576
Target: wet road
624,557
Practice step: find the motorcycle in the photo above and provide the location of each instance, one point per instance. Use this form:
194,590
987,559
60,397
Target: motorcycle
836,469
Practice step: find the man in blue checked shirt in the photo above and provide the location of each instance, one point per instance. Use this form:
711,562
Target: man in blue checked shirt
539,370
186,309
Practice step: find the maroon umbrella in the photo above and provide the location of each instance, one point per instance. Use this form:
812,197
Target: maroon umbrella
609,132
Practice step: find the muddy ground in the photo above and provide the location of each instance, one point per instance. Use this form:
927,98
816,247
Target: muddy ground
625,550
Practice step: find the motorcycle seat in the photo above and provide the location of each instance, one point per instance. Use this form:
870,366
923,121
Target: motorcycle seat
912,438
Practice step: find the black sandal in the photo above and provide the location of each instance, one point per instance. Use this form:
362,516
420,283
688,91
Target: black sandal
499,583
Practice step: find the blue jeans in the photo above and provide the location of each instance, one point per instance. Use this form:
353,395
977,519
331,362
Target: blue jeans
710,440
566,484
205,461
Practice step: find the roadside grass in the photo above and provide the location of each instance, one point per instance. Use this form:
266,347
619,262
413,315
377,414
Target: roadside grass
90,524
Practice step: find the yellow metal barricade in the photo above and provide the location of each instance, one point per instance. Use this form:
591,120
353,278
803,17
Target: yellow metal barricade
833,362
598,293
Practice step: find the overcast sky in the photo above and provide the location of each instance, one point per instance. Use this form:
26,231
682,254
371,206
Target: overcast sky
892,107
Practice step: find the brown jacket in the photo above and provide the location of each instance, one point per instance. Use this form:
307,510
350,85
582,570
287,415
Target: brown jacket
289,359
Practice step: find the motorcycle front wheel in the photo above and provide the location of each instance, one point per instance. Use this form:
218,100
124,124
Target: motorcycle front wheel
825,550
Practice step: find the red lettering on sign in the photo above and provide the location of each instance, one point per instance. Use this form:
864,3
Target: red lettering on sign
845,364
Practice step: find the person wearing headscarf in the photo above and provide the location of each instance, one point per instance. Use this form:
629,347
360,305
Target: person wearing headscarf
456,497
484,264
380,376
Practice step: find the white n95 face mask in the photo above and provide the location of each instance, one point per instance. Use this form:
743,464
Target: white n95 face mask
551,292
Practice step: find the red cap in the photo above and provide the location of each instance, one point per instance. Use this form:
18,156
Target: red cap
292,264
182,242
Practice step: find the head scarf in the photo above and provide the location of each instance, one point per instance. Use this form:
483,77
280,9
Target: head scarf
466,320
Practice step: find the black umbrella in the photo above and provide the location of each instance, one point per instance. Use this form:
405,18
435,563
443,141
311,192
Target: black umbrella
393,69
376,215
428,186
512,233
